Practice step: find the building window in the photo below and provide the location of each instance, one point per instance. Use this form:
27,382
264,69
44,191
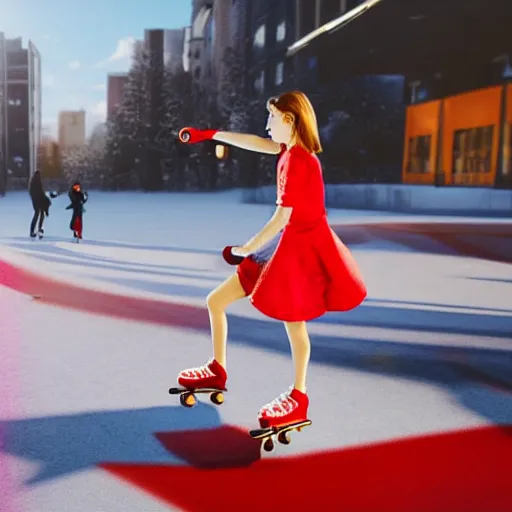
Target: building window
418,161
259,37
279,73
259,83
17,74
472,150
14,102
281,31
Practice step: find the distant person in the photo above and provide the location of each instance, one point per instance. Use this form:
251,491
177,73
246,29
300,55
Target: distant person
78,198
41,203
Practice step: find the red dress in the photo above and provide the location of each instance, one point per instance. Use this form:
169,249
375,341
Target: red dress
310,271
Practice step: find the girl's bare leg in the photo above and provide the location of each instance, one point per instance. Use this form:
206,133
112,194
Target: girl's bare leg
217,301
301,350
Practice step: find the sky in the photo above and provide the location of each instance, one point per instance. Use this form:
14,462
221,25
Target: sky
81,42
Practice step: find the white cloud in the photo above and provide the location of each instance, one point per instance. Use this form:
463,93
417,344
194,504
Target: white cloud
100,87
124,49
74,64
122,55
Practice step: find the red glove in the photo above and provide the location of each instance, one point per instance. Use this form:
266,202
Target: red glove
192,135
230,258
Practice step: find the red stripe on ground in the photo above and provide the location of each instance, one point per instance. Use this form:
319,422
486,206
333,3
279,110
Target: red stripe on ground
464,471
64,294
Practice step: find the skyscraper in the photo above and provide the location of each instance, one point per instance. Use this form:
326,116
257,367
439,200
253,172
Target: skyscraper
3,114
21,84
174,42
115,91
71,129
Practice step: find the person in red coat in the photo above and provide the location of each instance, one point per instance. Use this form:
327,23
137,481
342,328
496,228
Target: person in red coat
296,268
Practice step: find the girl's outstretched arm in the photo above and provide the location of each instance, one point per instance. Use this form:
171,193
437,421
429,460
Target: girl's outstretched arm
249,141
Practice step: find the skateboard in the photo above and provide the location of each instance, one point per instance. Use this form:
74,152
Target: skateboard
282,433
188,399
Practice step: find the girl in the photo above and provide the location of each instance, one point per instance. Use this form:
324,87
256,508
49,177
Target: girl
78,198
295,269
40,202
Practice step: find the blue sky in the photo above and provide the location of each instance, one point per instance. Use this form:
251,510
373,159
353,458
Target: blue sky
82,41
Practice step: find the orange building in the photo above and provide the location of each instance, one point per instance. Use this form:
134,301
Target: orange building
464,139
456,59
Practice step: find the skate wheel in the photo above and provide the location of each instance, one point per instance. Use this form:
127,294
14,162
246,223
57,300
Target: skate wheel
268,445
187,400
283,438
217,398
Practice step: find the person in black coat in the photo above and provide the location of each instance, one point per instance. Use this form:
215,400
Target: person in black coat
41,203
78,198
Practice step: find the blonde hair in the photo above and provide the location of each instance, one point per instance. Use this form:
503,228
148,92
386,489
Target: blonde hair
297,109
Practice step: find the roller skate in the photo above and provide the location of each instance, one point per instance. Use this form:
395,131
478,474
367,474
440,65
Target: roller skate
209,378
286,413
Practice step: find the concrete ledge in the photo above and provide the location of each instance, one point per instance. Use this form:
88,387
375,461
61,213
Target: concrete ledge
430,200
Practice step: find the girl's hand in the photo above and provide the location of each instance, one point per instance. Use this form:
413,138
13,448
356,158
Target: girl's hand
190,135
230,258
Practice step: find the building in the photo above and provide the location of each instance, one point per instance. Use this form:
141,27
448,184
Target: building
71,129
458,96
219,37
201,14
116,83
3,115
310,17
186,48
271,29
174,43
20,83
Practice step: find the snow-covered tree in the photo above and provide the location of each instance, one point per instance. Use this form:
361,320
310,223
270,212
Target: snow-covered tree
126,134
233,98
178,108
237,109
131,117
85,164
